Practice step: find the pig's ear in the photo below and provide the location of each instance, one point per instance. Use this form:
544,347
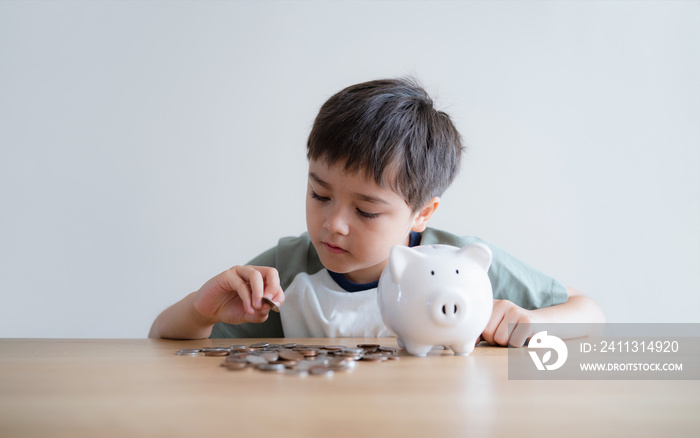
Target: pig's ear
479,253
399,259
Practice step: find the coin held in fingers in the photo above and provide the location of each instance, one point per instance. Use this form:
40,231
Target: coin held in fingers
274,306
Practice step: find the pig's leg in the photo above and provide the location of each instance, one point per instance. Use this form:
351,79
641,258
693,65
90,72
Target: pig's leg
462,349
400,342
418,349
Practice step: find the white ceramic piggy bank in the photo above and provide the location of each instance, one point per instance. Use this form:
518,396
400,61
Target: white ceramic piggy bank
436,295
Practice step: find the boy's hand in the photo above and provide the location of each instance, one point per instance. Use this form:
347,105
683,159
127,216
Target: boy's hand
235,295
498,332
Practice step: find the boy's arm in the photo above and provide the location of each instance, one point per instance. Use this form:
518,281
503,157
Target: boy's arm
578,308
234,296
181,321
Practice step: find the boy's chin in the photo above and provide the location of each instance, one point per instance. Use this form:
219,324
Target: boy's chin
335,267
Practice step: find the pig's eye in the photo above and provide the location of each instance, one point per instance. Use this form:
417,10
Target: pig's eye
432,272
458,271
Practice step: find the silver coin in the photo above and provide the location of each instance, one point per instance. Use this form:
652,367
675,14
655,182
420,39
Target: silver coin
277,367
237,356
270,356
348,358
291,355
373,357
273,305
306,365
216,351
260,345
235,365
256,360
188,352
205,349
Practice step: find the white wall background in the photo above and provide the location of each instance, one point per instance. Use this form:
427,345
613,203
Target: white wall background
147,146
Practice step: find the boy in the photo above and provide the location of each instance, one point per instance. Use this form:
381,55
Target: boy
380,156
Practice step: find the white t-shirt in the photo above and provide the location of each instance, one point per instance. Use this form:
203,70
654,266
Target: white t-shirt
316,306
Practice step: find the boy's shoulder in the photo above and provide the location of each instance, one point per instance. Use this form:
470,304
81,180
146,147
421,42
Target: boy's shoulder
433,236
511,278
292,255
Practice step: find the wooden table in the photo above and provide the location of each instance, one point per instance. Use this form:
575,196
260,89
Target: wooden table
139,387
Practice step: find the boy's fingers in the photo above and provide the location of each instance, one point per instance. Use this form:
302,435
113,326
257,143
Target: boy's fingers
251,283
257,317
494,322
519,336
255,284
274,293
257,287
273,290
271,275
278,296
489,332
502,333
239,285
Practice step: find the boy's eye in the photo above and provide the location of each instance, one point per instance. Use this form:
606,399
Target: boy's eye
318,197
367,215
364,214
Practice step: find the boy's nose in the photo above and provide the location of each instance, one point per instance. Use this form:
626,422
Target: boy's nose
336,222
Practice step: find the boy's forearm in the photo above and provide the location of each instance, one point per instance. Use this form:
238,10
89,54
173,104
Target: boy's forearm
181,321
577,309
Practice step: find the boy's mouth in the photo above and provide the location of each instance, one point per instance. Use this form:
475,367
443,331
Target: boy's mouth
333,249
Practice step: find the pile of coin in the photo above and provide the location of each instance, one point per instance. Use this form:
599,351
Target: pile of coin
295,359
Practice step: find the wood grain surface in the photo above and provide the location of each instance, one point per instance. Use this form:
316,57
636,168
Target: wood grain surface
140,387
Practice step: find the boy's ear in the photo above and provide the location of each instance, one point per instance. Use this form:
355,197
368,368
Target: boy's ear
420,222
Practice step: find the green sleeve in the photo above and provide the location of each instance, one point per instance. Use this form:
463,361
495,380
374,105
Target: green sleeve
292,256
511,279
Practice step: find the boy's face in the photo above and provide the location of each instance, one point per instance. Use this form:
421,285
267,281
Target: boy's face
353,222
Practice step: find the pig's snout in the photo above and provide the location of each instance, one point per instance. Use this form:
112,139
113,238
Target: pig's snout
448,308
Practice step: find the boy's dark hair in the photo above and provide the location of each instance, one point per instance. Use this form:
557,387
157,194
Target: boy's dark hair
389,126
